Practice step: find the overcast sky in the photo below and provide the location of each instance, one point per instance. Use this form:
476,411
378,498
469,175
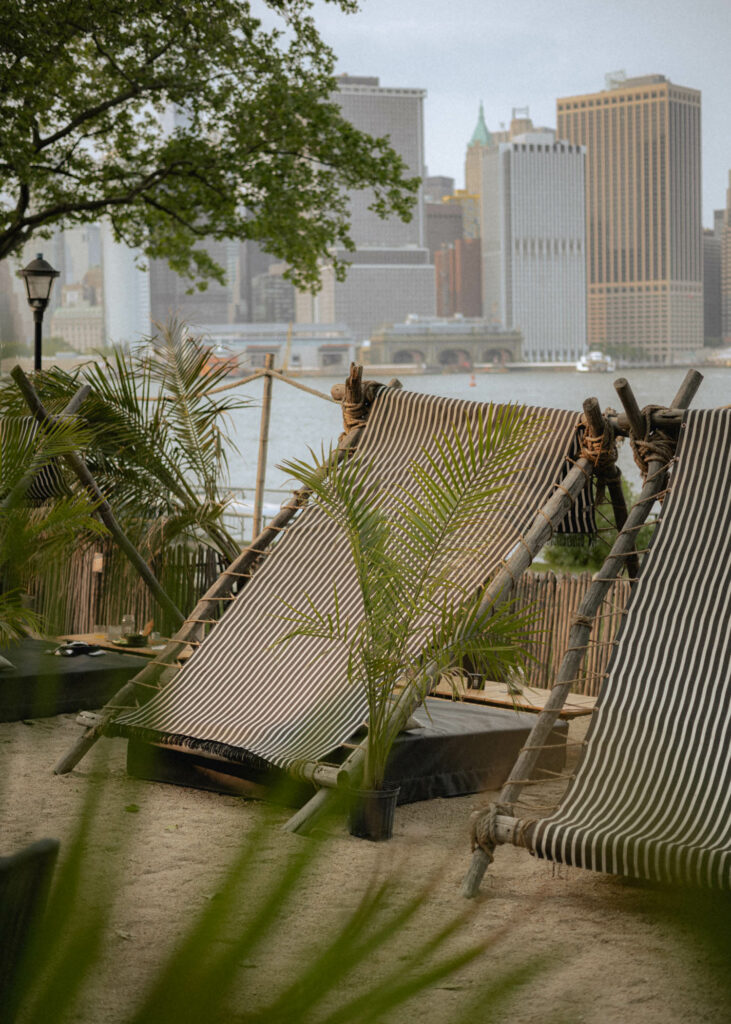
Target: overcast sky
527,53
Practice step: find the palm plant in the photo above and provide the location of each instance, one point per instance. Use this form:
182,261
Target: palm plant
155,441
156,444
416,617
32,532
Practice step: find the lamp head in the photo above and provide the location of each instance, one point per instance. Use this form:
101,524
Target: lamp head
39,276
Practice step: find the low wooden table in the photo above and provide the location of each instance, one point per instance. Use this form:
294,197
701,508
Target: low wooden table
99,640
532,698
38,684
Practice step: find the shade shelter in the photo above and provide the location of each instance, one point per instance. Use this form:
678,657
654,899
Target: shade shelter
244,700
651,795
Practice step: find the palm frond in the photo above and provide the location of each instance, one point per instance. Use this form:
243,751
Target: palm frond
407,552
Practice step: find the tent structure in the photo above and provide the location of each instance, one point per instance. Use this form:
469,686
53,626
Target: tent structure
237,698
650,797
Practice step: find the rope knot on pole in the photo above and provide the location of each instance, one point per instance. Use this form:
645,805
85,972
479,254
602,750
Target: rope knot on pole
482,828
655,446
600,449
587,621
355,397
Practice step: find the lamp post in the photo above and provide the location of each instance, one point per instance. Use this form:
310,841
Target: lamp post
39,276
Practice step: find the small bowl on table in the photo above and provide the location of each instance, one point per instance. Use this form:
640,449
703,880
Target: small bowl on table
134,640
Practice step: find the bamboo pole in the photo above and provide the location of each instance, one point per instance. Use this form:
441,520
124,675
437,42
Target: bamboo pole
236,573
543,526
580,631
301,387
279,376
103,510
261,465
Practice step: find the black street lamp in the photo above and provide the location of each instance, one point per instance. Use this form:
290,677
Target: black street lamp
39,276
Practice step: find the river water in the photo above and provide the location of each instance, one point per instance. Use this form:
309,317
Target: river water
300,421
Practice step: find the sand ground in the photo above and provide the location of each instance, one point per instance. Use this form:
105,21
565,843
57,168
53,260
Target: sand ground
611,956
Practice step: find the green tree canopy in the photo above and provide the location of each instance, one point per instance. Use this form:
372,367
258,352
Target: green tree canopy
260,149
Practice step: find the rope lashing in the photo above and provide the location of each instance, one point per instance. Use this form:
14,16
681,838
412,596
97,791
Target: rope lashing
656,445
576,464
601,451
520,835
357,397
482,828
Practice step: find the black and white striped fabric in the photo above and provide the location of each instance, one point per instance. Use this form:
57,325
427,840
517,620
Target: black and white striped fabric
652,796
242,697
17,441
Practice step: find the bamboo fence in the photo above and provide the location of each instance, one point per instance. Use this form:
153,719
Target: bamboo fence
553,601
88,591
96,586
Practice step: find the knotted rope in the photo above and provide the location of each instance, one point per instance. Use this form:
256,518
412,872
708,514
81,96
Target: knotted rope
656,445
482,828
355,398
601,451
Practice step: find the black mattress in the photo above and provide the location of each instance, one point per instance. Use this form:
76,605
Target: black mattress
41,684
462,748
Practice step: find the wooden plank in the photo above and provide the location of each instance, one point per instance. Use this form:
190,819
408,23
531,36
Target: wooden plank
531,698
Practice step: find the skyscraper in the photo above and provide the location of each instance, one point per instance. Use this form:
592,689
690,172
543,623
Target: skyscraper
533,244
725,232
712,296
643,212
390,275
480,143
126,289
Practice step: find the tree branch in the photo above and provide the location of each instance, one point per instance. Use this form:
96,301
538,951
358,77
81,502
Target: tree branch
201,232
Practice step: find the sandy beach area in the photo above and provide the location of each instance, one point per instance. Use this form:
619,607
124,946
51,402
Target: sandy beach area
610,954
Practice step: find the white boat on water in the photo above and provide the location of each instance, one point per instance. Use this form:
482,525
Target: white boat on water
595,362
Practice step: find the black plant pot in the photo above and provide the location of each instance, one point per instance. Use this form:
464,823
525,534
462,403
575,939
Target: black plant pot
370,812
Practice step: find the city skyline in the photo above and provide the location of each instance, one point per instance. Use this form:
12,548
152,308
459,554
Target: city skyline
532,54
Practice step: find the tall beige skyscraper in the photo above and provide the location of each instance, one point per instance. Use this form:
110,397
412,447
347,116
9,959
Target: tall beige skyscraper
643,214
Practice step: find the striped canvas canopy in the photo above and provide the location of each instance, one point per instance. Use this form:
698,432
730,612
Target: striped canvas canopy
652,796
248,700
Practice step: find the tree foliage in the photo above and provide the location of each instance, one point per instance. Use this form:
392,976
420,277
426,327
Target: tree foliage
260,149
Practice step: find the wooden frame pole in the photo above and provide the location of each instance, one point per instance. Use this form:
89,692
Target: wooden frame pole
261,464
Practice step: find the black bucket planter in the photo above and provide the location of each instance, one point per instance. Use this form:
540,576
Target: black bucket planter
370,812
